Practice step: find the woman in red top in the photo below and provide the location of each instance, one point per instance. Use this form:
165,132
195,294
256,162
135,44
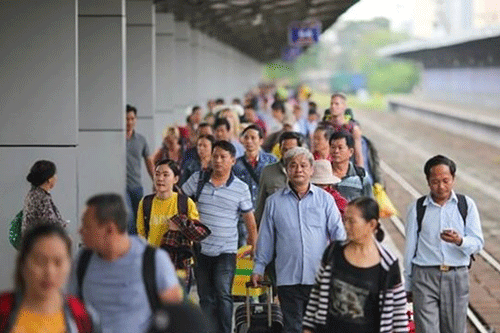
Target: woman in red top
323,177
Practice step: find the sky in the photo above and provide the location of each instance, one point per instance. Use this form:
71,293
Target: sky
397,11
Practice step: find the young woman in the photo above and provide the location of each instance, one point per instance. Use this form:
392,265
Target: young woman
172,146
165,226
38,305
38,205
358,287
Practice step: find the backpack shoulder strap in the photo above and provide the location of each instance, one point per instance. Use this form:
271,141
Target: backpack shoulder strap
82,318
360,171
81,268
250,170
204,177
147,204
7,304
462,207
182,204
420,213
149,277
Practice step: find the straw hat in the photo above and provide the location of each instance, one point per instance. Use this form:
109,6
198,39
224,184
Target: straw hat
323,173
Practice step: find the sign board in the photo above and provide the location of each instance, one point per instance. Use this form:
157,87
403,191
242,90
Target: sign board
290,53
304,33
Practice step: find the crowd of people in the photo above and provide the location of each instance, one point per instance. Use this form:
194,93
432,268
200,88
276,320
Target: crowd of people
268,172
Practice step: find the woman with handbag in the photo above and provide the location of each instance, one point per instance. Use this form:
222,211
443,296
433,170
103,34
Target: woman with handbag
38,205
358,287
38,305
170,220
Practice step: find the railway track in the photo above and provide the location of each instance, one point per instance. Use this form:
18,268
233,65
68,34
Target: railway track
476,321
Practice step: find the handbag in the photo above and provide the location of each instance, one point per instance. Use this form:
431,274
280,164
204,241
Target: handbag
15,230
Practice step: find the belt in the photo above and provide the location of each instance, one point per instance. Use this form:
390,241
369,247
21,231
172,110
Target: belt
445,268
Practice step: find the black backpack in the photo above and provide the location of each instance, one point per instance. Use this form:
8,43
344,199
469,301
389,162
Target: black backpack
147,205
463,207
148,275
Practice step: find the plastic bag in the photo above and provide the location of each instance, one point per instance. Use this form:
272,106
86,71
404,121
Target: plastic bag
15,230
386,207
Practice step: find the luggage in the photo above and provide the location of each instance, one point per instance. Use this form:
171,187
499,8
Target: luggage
244,268
258,317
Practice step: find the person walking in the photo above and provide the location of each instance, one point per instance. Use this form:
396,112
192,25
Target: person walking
358,286
298,223
443,230
38,303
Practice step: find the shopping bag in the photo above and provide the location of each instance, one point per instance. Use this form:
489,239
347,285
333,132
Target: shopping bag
386,207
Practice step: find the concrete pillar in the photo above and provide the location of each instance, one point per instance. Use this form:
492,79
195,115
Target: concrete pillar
102,98
183,87
38,108
141,83
165,73
195,68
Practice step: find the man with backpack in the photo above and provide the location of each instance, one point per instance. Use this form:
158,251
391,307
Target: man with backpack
354,182
123,278
443,230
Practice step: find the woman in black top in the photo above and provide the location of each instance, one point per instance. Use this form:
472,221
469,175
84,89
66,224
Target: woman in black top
358,281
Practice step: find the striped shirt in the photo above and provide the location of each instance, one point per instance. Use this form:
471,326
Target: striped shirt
392,303
219,209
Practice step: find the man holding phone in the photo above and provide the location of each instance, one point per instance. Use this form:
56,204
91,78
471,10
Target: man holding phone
442,231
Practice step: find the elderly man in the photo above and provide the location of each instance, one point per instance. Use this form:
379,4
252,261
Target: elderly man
298,223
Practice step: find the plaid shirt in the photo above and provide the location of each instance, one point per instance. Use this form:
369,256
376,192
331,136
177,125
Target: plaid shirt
179,243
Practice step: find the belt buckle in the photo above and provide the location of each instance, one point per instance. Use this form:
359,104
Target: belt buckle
444,268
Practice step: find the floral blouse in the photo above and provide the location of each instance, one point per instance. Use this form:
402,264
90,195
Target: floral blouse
39,208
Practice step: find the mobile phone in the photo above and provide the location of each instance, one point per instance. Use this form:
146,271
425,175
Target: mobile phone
447,231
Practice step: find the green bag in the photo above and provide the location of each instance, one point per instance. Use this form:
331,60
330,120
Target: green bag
15,230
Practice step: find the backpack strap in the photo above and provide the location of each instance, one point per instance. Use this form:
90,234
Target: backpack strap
147,204
204,177
250,170
182,204
7,305
149,277
462,207
360,172
420,213
82,318
81,268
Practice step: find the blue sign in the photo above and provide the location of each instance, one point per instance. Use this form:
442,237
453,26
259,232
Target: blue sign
304,33
290,53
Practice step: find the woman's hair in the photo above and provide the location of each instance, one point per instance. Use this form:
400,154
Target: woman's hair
40,172
369,211
28,242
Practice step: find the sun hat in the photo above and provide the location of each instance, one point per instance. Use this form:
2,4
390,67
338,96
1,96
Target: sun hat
323,173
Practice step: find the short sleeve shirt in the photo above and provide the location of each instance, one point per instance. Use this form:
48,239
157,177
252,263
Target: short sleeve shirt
137,150
116,289
220,208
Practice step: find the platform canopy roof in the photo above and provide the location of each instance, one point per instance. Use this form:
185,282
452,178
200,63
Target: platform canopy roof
259,28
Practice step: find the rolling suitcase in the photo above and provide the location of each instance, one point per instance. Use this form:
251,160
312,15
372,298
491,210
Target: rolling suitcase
259,317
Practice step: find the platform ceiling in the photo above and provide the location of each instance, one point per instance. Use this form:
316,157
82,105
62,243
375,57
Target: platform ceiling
256,27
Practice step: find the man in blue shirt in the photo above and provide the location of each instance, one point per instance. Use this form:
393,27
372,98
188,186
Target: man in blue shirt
297,224
249,167
437,253
114,282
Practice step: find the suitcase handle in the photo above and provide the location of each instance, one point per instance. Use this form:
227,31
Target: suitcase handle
249,284
268,285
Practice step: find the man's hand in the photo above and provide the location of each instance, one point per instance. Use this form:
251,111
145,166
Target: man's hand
451,236
256,279
409,297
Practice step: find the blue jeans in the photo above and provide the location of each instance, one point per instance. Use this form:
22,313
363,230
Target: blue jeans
214,279
134,196
293,301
